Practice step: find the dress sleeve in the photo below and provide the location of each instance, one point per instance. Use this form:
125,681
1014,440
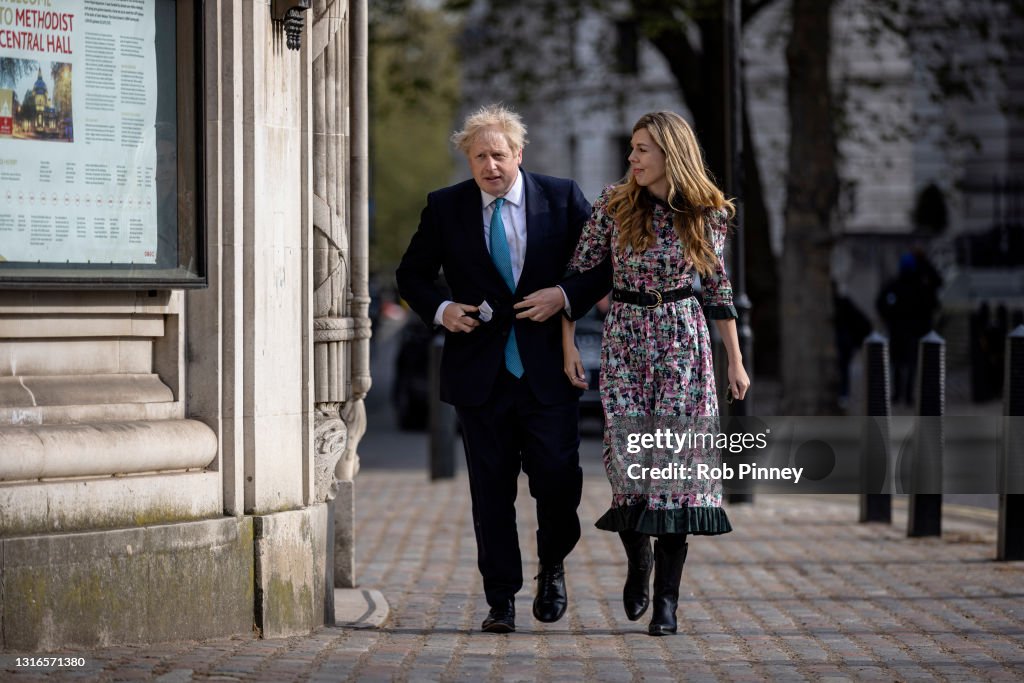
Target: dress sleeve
595,240
716,287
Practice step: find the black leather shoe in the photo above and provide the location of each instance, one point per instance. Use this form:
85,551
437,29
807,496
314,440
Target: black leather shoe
551,601
636,594
669,557
501,619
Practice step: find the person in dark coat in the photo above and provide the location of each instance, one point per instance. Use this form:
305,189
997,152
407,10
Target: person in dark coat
498,236
852,327
907,305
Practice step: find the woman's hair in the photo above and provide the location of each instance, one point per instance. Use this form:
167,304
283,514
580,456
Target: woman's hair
691,192
491,115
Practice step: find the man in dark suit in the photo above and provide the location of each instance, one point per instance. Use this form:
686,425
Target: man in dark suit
504,233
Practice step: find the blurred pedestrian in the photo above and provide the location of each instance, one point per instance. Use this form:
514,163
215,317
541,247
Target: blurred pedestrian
851,327
504,232
661,226
907,304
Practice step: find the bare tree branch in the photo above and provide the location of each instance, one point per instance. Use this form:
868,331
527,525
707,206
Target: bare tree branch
670,38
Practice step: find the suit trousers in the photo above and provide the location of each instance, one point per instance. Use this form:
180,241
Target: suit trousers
513,431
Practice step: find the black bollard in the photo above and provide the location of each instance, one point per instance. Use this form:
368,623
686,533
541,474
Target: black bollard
978,354
442,420
924,505
874,505
1010,543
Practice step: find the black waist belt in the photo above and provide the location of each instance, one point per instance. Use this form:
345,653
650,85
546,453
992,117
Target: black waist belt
652,298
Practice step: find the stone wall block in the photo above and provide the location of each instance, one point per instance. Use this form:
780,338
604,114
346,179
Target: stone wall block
290,551
127,586
66,356
109,502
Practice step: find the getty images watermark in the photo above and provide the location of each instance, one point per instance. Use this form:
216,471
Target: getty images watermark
668,441
975,454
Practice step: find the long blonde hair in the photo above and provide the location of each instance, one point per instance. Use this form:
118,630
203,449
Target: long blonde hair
691,192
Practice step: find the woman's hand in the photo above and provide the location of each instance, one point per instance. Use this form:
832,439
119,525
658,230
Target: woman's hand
572,365
738,381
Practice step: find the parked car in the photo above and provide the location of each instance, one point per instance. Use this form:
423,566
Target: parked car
410,391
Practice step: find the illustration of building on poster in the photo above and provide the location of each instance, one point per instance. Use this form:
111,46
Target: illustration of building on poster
78,148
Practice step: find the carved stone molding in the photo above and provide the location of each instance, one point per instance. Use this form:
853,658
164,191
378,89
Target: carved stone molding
354,415
330,439
335,330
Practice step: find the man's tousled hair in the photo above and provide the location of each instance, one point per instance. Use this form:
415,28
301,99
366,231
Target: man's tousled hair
488,117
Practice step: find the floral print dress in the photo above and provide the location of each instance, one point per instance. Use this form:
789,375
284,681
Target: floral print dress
656,363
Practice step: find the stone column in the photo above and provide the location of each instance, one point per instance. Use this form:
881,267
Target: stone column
341,326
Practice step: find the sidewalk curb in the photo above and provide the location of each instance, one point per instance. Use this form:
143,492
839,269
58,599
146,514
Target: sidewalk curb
360,608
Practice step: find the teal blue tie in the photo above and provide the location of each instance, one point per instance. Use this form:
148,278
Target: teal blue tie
503,260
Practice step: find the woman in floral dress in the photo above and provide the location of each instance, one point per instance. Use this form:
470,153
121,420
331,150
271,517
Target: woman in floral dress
663,224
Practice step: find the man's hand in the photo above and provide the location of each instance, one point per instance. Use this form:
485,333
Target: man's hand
454,317
541,305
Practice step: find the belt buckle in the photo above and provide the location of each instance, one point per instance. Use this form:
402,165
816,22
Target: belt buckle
657,295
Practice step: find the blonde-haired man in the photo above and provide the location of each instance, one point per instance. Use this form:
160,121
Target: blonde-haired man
498,236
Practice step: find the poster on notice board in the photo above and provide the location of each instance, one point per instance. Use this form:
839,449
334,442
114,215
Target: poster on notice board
78,143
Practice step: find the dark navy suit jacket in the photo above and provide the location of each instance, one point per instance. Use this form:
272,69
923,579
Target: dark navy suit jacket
451,237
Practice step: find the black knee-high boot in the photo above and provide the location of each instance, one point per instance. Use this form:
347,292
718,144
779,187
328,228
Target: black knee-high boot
636,594
669,557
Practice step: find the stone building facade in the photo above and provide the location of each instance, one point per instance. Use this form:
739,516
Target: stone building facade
171,460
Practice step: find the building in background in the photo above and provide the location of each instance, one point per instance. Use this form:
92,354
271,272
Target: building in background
919,170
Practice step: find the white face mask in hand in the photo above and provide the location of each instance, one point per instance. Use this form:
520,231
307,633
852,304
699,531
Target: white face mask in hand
485,311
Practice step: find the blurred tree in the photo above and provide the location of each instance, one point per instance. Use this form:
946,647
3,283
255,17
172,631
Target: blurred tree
959,52
414,93
809,377
697,60
520,43
689,35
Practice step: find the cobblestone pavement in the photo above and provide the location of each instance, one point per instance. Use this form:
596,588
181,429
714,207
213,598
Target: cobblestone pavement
799,591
